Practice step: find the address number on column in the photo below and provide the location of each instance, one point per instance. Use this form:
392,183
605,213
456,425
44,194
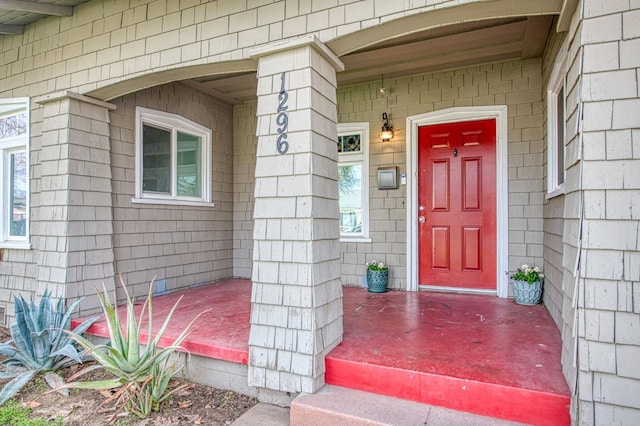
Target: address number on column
282,119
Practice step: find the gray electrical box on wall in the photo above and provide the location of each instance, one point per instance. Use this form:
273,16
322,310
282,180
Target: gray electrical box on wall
388,177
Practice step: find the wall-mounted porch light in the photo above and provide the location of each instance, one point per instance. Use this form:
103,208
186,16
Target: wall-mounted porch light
387,131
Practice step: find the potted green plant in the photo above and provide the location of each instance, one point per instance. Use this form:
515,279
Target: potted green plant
377,277
527,285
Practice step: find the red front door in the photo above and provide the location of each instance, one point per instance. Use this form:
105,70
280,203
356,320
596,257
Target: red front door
457,205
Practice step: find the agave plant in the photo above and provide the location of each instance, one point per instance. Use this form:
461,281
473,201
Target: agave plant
39,344
141,376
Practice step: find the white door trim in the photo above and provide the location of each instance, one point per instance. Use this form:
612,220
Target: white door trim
449,115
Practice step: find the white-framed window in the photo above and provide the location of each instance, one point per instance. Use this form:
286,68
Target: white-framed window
14,169
556,125
353,180
173,159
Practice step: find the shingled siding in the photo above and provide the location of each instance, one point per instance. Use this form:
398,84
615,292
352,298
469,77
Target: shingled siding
609,296
106,42
179,245
244,166
71,223
146,44
559,250
516,84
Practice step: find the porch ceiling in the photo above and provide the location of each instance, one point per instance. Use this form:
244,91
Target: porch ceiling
435,49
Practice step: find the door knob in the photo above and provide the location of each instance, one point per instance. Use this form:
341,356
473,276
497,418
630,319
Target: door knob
421,219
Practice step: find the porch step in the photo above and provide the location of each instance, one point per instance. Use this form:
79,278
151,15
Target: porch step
496,401
334,405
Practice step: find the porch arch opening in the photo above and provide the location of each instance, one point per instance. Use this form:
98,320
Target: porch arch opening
446,38
194,75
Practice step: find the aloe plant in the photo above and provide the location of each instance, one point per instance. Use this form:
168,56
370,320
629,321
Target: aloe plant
39,344
142,376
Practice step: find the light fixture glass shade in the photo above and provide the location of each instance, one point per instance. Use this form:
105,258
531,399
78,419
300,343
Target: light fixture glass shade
386,134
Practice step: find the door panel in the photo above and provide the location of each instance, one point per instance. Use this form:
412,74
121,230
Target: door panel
440,253
457,198
472,248
440,185
471,189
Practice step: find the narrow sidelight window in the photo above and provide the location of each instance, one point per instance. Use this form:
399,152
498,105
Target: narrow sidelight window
353,180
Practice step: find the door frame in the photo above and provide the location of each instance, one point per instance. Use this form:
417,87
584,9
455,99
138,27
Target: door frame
452,115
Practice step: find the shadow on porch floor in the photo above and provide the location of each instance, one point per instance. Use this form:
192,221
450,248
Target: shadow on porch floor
479,354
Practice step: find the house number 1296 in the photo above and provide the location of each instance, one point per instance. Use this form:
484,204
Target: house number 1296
282,119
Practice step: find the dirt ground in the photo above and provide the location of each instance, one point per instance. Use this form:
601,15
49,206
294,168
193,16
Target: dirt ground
194,405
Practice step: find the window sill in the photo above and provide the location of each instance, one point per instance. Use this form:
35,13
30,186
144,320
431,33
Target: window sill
18,245
555,193
171,202
355,240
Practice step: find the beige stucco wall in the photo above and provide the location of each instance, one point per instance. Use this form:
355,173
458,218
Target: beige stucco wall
182,245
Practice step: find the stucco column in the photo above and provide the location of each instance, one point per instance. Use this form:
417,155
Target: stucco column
296,313
72,212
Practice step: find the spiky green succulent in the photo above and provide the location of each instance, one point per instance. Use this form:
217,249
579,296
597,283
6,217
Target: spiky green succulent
140,375
39,343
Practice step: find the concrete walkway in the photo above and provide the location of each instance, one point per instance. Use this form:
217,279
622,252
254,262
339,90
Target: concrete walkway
263,414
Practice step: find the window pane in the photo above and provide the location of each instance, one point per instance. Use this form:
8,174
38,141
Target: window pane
189,165
350,188
18,195
560,136
156,160
349,143
13,125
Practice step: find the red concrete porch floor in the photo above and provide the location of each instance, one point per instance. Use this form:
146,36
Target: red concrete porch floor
473,353
478,354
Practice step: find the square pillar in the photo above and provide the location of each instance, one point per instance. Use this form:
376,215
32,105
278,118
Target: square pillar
72,217
296,311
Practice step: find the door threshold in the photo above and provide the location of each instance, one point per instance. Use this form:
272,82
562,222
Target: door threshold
457,290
